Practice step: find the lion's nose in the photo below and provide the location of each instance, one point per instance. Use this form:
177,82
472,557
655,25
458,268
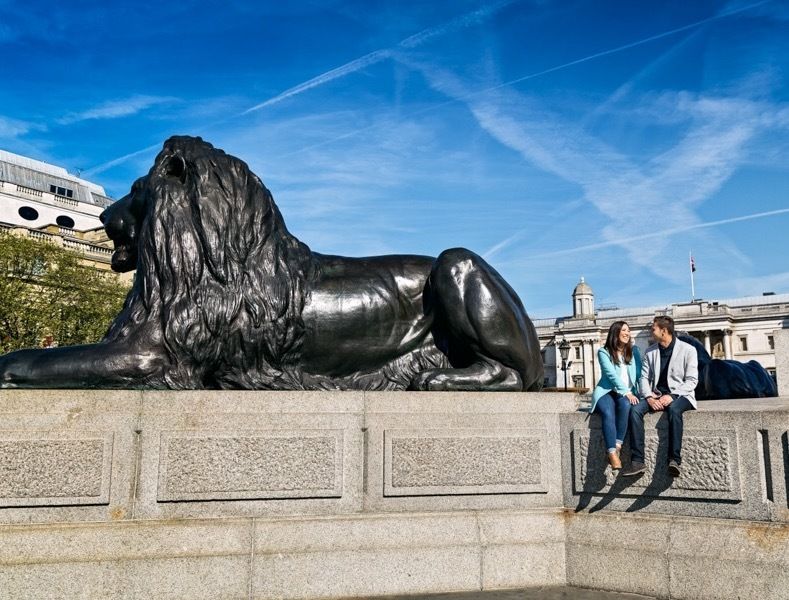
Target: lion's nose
103,217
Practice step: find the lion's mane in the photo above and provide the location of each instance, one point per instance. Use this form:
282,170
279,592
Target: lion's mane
219,273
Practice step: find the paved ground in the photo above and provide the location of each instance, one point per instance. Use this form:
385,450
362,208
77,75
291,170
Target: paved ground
552,593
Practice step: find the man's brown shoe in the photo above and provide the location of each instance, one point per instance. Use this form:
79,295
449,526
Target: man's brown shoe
635,468
613,460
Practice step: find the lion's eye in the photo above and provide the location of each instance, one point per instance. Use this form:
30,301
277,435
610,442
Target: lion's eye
176,167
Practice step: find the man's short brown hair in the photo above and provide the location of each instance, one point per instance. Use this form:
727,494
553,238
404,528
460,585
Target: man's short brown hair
665,322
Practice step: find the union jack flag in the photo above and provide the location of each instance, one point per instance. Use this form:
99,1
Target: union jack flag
692,265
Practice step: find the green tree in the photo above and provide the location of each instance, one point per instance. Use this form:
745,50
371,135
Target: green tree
48,290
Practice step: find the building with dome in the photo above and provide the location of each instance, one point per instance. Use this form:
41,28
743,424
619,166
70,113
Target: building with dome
742,329
583,300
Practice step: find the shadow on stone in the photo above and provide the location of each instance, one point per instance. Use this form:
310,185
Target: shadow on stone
785,444
600,486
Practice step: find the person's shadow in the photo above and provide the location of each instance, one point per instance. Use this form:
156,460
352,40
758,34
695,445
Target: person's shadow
598,486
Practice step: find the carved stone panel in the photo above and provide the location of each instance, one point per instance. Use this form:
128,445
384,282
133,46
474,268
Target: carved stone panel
464,461
710,466
250,465
41,470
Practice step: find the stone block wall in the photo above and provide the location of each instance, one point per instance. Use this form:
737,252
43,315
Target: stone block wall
735,464
323,494
69,456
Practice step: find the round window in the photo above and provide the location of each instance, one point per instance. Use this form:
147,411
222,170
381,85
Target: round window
65,221
28,213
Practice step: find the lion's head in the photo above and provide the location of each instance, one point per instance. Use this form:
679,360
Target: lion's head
216,266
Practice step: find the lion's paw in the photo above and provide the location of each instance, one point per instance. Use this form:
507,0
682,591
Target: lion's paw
432,380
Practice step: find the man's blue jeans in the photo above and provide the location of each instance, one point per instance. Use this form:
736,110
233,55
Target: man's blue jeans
614,413
673,412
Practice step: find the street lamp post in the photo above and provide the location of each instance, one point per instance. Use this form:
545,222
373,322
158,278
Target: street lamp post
564,351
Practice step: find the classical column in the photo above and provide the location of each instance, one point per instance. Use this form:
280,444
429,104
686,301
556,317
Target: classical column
594,364
707,345
727,343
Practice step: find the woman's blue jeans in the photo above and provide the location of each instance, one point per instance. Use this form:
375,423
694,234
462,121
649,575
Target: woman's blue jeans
615,412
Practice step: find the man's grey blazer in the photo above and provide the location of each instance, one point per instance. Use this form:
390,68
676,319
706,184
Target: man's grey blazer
683,371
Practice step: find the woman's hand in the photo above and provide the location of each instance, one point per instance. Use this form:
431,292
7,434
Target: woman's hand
632,398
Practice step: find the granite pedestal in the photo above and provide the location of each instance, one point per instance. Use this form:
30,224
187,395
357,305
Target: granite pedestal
327,494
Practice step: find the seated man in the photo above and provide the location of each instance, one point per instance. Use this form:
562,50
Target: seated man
669,374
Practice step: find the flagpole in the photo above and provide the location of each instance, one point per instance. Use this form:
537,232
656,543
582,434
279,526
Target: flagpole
692,283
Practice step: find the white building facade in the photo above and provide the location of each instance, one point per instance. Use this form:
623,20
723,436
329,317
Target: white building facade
35,194
45,202
741,329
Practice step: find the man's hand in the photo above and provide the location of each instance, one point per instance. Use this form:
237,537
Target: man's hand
654,403
632,398
665,400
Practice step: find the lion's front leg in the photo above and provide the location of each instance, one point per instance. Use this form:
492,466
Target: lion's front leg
103,365
487,375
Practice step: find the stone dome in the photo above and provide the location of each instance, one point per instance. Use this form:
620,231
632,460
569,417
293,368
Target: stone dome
582,288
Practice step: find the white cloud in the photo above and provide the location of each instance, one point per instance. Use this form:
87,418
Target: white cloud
754,286
115,109
664,233
639,203
14,128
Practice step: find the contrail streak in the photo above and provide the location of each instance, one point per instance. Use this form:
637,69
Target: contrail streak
117,161
628,46
490,252
413,41
664,233
566,65
346,69
372,58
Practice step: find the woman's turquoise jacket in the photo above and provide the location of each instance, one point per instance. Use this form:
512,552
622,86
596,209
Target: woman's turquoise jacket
609,379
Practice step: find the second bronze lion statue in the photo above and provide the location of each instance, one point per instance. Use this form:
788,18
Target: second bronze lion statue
225,297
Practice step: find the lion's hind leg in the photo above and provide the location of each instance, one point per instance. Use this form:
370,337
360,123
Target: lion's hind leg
482,327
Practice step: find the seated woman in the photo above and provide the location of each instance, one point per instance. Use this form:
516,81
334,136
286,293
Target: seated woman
620,365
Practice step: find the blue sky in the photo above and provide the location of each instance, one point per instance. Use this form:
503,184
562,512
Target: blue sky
558,139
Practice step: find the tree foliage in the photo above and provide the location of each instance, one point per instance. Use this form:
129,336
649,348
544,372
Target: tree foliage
48,290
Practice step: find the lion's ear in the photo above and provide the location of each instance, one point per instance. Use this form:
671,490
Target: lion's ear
175,167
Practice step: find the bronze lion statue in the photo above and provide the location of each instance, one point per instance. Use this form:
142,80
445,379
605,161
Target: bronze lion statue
729,379
224,297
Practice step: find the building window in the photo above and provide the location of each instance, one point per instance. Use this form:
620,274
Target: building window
61,191
771,342
28,213
65,221
743,343
577,353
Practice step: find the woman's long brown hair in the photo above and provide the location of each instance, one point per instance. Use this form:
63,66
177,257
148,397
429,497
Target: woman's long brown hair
612,341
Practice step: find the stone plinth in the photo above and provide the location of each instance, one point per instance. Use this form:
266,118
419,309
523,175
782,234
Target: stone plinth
735,464
331,495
